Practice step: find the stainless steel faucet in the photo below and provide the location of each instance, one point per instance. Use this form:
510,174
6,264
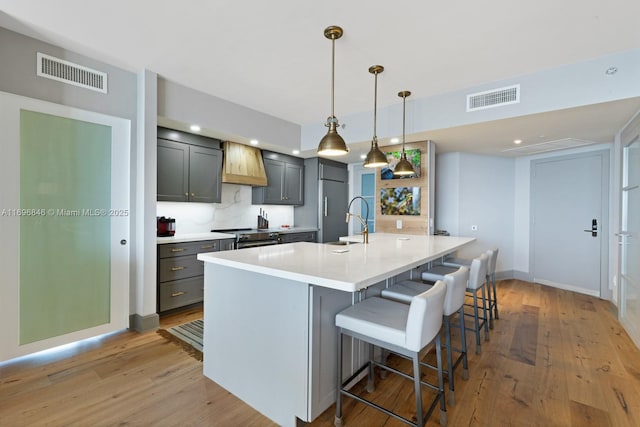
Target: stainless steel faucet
364,222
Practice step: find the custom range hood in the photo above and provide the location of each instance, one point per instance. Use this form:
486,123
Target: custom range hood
243,165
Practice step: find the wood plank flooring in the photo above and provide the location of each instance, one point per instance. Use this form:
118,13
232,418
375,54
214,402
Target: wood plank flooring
555,358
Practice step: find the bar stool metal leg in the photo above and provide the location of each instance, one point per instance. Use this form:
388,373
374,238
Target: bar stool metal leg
485,311
495,295
417,389
443,406
490,303
463,339
337,422
371,387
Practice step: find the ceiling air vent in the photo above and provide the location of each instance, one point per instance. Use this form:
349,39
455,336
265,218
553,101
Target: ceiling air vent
73,74
493,98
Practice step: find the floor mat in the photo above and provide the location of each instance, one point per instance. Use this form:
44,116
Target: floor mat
188,336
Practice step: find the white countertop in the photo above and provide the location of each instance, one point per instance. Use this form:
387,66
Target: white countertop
348,268
194,237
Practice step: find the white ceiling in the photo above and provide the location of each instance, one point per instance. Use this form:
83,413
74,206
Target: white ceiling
272,55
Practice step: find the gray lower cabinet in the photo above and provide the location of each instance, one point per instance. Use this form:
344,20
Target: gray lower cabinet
285,181
189,172
181,275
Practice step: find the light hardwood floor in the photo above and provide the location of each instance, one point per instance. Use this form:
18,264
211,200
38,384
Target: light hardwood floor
555,358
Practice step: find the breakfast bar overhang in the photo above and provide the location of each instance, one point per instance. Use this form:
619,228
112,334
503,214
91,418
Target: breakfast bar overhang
269,315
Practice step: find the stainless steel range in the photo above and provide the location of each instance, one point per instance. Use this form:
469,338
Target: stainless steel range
251,238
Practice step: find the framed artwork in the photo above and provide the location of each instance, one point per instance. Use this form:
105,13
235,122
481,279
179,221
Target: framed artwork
393,157
400,201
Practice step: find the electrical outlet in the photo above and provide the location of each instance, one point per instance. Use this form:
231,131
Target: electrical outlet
474,228
399,224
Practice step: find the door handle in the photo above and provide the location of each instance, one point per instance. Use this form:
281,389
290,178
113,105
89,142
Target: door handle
326,204
594,228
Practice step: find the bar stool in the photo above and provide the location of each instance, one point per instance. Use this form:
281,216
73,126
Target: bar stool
456,283
492,294
400,328
477,277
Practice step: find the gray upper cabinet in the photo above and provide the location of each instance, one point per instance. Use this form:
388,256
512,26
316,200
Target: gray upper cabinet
189,168
205,166
285,181
173,171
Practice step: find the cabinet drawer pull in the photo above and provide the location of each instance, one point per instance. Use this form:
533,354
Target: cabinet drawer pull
177,294
177,249
177,268
206,247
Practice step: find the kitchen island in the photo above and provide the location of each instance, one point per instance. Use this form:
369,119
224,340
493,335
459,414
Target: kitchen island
269,312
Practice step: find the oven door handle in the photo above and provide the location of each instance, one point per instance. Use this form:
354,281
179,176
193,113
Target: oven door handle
256,244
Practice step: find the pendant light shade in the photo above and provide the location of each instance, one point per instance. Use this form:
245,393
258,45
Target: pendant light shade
404,167
375,158
332,144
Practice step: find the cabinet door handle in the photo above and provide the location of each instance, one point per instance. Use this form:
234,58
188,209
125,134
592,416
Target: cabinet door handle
193,194
186,194
177,294
177,249
177,268
326,203
206,247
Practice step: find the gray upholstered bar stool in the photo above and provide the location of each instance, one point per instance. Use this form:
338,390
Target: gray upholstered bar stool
456,283
492,291
400,328
476,283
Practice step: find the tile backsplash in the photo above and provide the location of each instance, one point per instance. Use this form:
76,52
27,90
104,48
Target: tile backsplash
235,211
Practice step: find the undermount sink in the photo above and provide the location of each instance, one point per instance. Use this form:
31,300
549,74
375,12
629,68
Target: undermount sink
341,243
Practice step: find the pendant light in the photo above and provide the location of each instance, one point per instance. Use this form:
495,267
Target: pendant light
332,144
375,158
404,167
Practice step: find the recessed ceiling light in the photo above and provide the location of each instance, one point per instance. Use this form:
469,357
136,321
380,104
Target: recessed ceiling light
611,71
395,140
195,128
296,151
254,142
363,156
517,141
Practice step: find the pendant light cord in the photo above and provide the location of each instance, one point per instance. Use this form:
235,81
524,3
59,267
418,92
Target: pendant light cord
333,67
404,100
375,104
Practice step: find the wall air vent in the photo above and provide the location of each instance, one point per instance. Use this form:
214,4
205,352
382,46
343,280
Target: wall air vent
73,74
493,98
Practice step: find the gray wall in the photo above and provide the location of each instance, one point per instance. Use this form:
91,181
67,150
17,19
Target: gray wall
477,190
18,75
230,121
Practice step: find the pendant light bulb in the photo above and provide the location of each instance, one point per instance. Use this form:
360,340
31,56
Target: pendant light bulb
375,158
332,143
404,167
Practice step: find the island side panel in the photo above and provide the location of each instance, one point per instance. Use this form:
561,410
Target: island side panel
256,340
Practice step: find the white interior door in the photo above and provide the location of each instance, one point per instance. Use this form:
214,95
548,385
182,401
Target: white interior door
64,261
629,240
569,196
